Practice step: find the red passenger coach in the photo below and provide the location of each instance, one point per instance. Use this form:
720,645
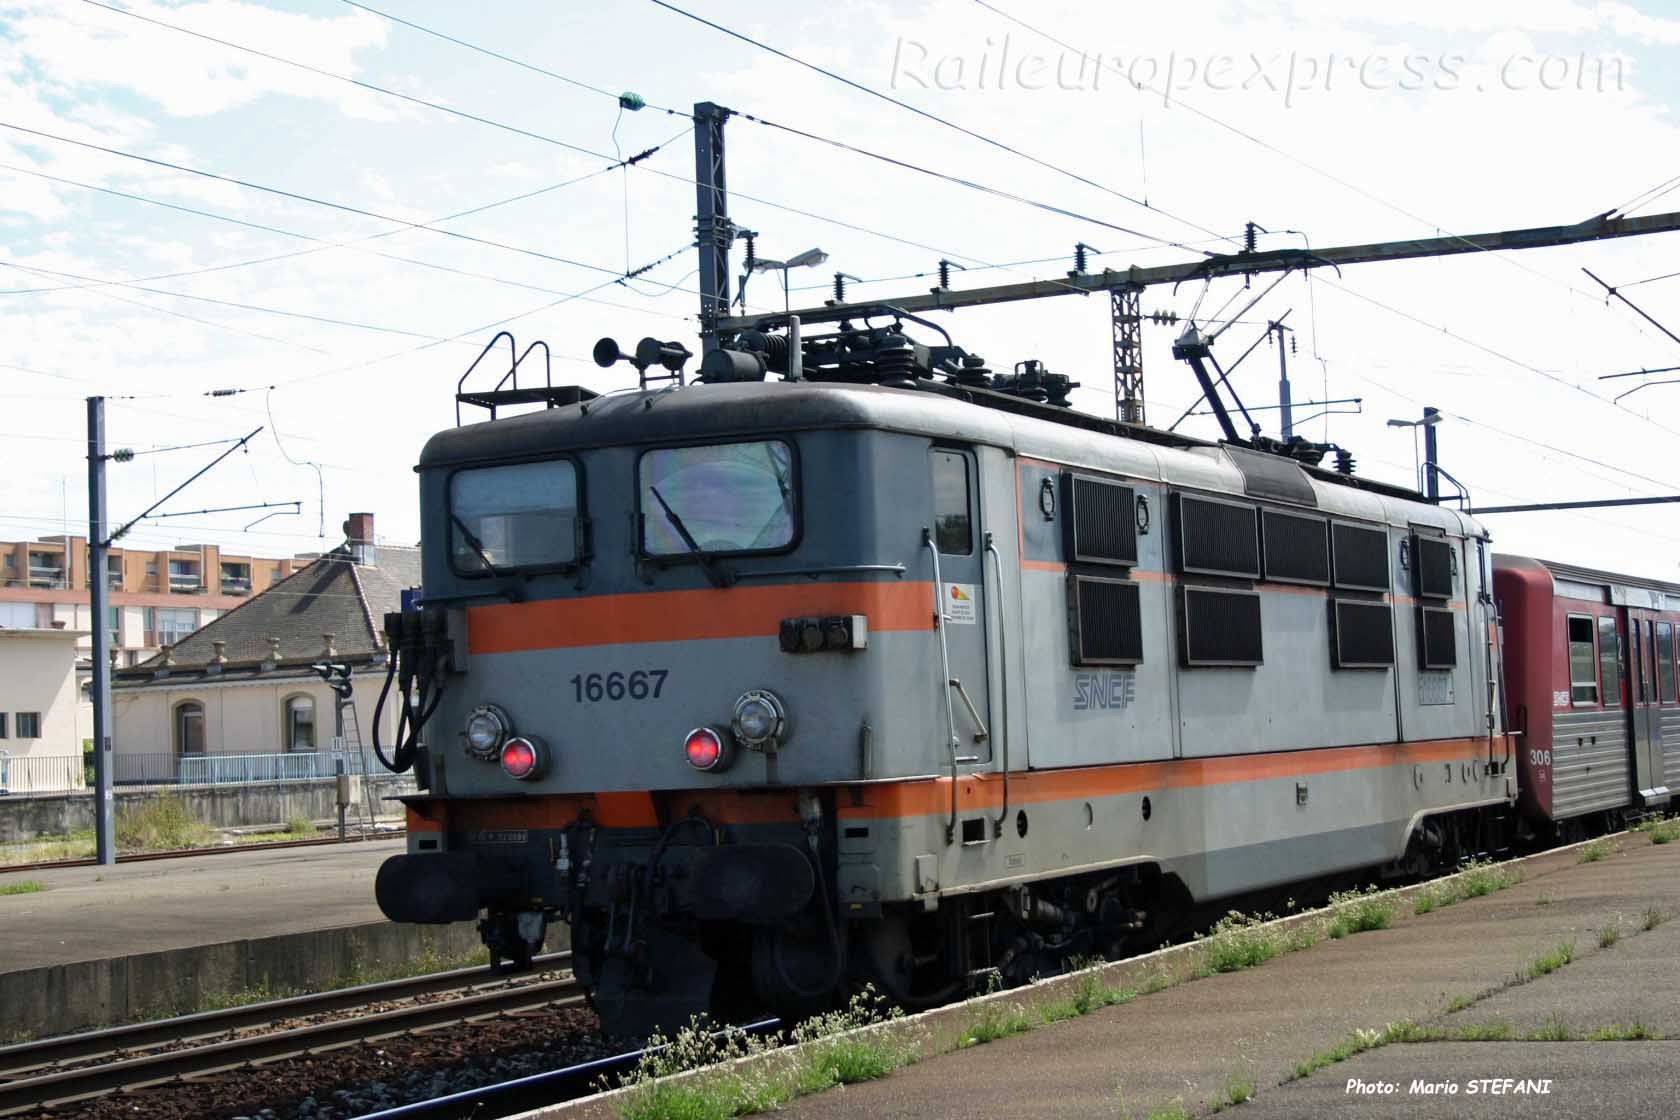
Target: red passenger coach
1590,669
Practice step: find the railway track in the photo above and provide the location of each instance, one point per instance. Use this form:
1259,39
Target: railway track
56,1071
183,853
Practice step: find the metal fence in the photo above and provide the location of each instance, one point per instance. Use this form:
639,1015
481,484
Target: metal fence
62,773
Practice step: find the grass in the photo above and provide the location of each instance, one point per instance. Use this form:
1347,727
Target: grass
1478,878
993,1020
1239,941
75,845
22,886
1547,963
158,823
1360,911
829,1051
1632,1032
1595,851
1459,1003
1653,918
1089,993
1356,1043
1545,899
1239,1089
1607,936
300,826
1173,1111
1662,832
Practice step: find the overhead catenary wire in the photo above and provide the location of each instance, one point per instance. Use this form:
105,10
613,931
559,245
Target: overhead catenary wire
1331,176
936,118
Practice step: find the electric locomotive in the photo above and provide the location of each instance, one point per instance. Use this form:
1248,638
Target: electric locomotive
856,662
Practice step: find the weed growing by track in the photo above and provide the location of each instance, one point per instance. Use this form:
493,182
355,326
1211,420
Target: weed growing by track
1547,963
1653,918
827,1050
993,1020
1607,936
22,886
1478,878
1360,911
1239,1089
1662,832
1597,850
1239,941
159,823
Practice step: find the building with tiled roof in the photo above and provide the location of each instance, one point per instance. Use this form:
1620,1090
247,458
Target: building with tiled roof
246,683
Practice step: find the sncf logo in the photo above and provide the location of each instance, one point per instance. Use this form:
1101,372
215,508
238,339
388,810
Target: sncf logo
1104,690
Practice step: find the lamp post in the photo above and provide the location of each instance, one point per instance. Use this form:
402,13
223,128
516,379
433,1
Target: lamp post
810,258
1428,483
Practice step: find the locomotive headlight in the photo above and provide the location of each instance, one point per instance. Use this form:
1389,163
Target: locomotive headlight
487,728
524,758
760,720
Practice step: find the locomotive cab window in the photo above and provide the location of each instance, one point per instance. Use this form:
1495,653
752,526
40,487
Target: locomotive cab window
718,499
1610,661
515,516
953,524
1583,664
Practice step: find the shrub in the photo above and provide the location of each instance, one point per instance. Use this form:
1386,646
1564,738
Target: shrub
1239,941
159,823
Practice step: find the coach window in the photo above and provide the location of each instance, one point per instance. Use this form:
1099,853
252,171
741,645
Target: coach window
1610,661
953,525
1665,660
1583,669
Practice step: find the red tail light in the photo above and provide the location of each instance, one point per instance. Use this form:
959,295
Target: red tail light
706,749
523,758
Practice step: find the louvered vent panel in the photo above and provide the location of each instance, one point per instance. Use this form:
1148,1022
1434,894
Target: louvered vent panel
1217,538
1102,522
1107,621
1297,548
1221,627
1360,556
1363,634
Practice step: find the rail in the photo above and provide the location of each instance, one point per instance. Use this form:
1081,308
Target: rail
31,1075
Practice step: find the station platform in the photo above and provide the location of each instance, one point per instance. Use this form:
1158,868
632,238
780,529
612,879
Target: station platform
97,946
1492,1037
87,913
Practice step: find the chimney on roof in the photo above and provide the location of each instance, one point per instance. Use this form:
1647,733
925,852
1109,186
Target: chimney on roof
358,534
220,657
168,655
328,649
274,650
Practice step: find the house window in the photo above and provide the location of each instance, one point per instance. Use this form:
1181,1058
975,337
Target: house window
189,727
1583,666
29,725
174,624
300,723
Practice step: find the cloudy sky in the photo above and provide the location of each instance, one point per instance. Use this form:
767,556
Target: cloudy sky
346,325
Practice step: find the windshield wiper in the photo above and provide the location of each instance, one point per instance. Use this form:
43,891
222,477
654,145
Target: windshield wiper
512,594
717,577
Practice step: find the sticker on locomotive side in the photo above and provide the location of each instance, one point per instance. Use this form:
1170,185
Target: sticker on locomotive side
641,684
1107,690
959,604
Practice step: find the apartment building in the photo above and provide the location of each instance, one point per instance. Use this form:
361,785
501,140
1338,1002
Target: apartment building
157,597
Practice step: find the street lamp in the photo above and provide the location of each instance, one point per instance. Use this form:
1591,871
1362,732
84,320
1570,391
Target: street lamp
810,258
1431,417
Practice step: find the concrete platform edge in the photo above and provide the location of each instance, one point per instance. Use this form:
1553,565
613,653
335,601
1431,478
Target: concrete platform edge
83,995
937,1030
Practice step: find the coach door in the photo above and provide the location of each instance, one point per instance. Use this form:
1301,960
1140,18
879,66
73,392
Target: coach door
957,536
1645,709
